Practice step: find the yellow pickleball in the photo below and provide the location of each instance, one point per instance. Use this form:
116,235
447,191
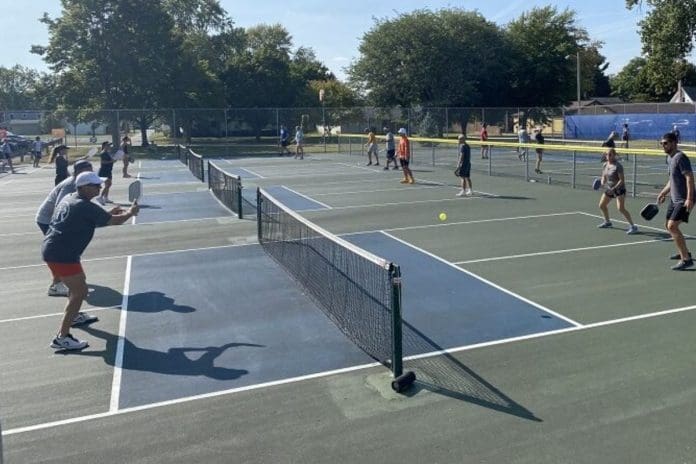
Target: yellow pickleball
443,216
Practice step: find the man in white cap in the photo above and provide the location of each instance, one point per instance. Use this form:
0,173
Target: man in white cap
69,233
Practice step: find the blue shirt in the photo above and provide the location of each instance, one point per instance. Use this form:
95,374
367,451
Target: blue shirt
72,228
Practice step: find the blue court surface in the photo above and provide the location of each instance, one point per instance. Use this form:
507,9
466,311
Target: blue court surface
294,200
212,320
180,206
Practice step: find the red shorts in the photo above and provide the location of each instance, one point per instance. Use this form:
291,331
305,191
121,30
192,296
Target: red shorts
65,269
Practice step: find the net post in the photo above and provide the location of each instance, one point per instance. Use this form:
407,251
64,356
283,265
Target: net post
202,170
575,156
397,335
238,192
210,185
634,180
258,213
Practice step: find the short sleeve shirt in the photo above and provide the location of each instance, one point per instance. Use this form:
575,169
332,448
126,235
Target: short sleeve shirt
107,164
390,141
45,213
404,148
484,134
71,229
464,155
62,167
612,173
679,165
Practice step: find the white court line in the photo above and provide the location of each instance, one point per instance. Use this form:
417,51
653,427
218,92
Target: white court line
558,252
92,309
395,189
378,205
658,229
75,420
152,253
486,281
118,360
306,197
253,173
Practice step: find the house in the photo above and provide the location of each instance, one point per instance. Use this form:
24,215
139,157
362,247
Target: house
684,94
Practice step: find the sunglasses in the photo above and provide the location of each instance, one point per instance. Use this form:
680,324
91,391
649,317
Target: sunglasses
665,142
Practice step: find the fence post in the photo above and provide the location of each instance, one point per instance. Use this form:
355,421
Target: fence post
575,158
635,175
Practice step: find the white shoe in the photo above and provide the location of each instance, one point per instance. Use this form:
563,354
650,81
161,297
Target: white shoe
106,200
632,230
58,289
100,200
461,193
83,319
68,342
468,192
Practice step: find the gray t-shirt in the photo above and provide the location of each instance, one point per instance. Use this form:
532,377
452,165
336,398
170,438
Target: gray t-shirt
45,213
679,165
612,173
72,228
390,141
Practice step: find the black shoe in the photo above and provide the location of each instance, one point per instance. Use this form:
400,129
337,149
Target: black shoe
678,256
681,265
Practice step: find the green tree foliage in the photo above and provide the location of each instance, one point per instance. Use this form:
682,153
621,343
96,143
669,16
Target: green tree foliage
545,41
444,58
634,82
19,88
667,32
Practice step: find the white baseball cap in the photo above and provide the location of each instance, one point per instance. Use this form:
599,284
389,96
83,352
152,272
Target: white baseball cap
88,178
402,131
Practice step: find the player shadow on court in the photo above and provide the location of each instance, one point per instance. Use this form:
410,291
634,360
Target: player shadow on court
446,375
146,302
181,361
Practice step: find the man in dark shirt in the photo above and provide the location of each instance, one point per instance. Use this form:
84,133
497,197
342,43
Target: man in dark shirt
680,187
106,170
69,233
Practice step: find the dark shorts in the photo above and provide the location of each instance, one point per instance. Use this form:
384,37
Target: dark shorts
390,154
403,162
464,170
677,212
37,154
7,155
613,193
106,172
283,143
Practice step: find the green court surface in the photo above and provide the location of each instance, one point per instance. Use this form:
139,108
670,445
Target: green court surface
617,385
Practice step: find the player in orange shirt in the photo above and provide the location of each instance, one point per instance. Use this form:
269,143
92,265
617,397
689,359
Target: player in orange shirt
404,152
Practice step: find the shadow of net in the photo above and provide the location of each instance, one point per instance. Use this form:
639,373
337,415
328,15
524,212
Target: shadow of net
440,372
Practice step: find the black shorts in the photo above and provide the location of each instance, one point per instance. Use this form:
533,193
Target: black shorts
403,162
390,154
613,193
107,173
677,212
464,170
283,143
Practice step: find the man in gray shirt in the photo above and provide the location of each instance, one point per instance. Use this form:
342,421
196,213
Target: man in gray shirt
45,213
680,186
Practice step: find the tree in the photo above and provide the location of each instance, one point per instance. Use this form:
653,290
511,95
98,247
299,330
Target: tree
119,54
634,82
667,33
18,88
544,41
445,58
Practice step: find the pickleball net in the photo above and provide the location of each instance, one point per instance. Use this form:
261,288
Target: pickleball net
193,160
226,188
359,291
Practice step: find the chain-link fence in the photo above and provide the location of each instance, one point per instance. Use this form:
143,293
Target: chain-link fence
324,124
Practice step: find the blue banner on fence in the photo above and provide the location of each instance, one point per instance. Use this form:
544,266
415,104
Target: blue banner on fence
644,126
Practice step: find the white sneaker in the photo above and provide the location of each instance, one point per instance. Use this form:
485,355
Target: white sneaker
632,230
59,289
83,319
468,192
68,342
100,200
461,193
106,200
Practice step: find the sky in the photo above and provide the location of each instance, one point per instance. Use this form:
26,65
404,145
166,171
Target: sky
334,29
